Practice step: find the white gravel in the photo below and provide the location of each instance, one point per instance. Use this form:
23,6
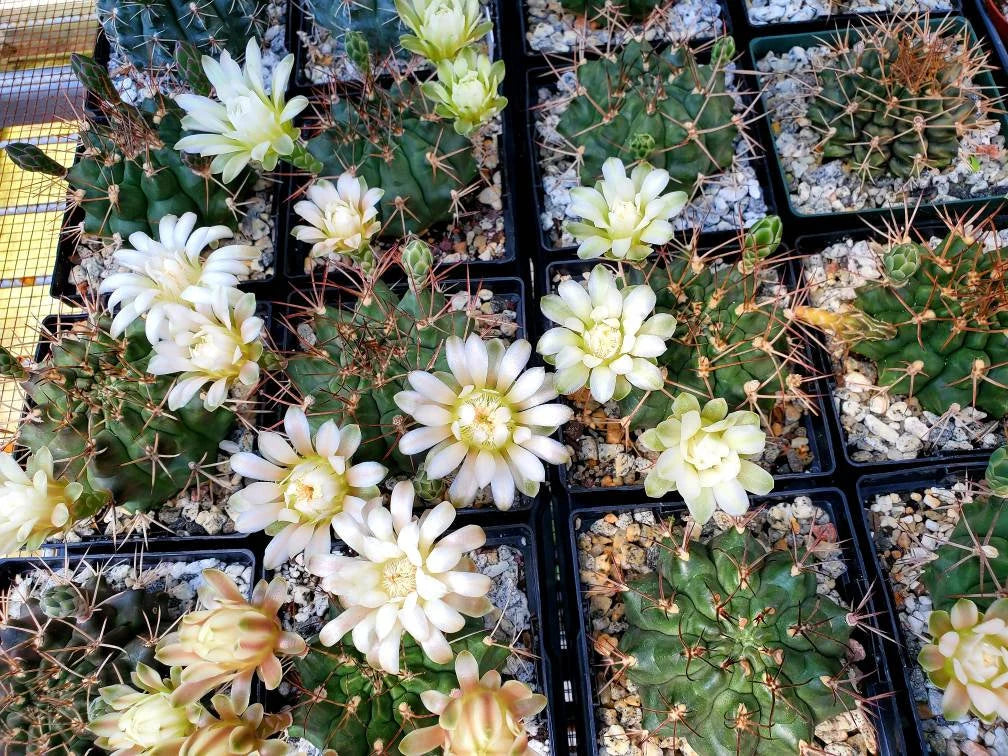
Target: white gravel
817,187
788,11
727,201
880,426
551,28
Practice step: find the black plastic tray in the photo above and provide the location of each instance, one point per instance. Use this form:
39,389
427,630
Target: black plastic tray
809,244
817,431
868,486
891,715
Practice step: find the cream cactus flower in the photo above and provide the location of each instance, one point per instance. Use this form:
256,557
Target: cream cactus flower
304,484
243,124
624,217
164,270
968,659
220,343
606,336
238,730
341,218
34,503
704,456
406,578
488,420
466,90
142,720
482,716
441,28
230,640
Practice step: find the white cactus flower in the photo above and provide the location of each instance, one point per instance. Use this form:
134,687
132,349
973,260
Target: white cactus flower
441,28
487,419
403,579
220,343
624,216
243,124
162,271
341,218
466,90
704,456
34,504
606,337
304,484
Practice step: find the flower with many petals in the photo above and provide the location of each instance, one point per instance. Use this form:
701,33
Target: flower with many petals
406,578
968,659
624,216
481,716
230,640
606,336
141,720
488,419
219,343
466,90
304,484
238,730
704,456
34,504
441,28
243,124
163,270
341,218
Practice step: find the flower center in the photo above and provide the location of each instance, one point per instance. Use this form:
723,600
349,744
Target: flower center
706,451
623,217
342,220
469,93
315,490
399,577
603,340
483,418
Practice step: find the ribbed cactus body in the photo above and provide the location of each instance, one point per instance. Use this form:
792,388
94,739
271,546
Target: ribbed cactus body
68,644
149,30
362,356
377,21
681,104
358,709
732,649
392,142
107,420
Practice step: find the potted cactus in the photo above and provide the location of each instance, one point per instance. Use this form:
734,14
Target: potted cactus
639,344
566,26
746,635
912,323
941,541
766,12
843,137
80,649
680,109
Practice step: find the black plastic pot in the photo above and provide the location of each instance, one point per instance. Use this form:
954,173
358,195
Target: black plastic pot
820,443
811,244
868,487
296,252
896,735
158,538
803,222
537,78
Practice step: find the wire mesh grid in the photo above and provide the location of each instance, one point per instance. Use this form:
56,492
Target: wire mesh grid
39,100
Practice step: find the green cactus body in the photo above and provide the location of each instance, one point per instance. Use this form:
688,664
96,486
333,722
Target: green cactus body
973,564
362,355
69,643
392,142
732,649
680,104
638,9
377,21
996,473
728,336
900,101
950,316
107,424
147,31
353,708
